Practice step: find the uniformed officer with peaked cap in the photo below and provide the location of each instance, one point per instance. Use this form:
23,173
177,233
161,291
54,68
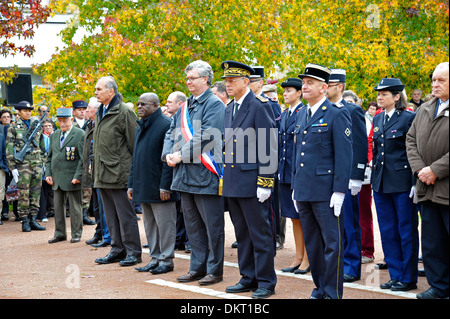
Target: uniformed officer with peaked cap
323,136
392,182
248,179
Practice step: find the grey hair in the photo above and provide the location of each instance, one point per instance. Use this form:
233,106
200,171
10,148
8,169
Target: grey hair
351,94
442,66
110,83
203,68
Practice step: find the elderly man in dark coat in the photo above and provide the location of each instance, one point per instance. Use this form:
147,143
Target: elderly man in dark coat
149,184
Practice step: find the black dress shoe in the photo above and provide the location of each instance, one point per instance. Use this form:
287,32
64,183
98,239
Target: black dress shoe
429,294
239,288
161,269
303,271
388,284
101,244
262,293
234,245
350,278
130,261
75,240
93,240
210,279
56,239
290,269
110,258
148,267
403,286
191,276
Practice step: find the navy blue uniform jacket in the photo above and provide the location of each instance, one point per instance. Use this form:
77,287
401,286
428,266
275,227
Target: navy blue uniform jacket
245,168
323,153
391,172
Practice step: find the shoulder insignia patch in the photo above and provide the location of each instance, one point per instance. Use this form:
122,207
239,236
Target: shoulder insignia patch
262,99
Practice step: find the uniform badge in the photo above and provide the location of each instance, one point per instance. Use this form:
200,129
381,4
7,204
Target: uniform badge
347,131
376,129
70,153
324,107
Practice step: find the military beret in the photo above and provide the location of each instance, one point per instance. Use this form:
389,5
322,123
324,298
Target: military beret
317,72
64,112
338,75
389,84
236,69
293,83
79,104
24,105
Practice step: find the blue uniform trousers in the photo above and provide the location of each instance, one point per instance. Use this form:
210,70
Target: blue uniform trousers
323,233
398,222
255,241
352,239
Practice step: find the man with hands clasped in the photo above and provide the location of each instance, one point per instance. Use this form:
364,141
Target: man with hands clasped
322,157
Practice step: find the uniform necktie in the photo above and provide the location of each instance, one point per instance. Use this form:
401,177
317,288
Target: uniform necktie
62,139
309,115
386,118
236,109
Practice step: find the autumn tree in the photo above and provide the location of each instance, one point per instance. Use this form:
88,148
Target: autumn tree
146,44
18,19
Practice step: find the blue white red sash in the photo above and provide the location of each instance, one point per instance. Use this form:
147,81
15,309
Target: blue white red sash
186,129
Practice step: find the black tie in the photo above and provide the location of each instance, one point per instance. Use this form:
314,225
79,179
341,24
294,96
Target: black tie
309,115
236,109
386,118
288,116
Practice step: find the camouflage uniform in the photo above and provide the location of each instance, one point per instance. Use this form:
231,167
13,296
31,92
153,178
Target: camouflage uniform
30,172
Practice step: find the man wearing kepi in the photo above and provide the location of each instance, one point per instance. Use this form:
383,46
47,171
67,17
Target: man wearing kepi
63,170
27,173
248,179
323,145
113,143
149,184
193,147
352,234
427,149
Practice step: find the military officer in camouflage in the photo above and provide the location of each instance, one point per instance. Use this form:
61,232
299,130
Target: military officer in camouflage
27,174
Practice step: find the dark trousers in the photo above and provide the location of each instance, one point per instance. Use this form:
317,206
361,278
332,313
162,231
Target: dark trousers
352,236
255,241
122,222
46,202
435,246
323,233
204,221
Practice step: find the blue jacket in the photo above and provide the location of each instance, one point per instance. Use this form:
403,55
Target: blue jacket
323,153
206,117
148,174
3,161
391,172
245,169
286,145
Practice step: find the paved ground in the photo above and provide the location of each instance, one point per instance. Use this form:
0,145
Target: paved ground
33,269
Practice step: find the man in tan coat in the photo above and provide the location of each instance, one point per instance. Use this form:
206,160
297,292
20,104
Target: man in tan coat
427,149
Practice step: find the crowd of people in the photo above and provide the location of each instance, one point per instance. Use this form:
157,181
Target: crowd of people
230,146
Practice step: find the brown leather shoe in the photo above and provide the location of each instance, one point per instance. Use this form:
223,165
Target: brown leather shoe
191,276
210,279
56,239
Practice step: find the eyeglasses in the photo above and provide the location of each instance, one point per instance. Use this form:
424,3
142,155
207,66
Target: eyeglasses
231,81
330,86
193,79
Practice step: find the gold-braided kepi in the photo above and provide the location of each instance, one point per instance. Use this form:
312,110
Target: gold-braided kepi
236,69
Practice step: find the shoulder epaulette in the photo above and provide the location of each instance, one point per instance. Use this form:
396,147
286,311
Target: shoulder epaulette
262,99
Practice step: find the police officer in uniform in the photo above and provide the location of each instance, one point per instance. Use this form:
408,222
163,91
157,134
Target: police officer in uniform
392,182
323,144
79,109
27,174
352,234
292,96
248,180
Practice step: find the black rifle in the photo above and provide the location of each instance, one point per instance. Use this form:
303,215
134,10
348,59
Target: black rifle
30,136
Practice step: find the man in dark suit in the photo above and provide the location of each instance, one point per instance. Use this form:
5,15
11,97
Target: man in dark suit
323,143
352,234
63,170
248,179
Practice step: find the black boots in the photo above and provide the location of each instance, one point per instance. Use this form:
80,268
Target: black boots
86,219
29,224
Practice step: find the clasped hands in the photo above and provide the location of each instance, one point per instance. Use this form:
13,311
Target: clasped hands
427,176
173,159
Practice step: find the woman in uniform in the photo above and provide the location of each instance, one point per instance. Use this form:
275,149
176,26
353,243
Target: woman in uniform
392,184
292,97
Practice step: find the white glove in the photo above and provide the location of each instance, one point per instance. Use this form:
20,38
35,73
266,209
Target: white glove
336,201
354,185
295,202
263,194
15,174
413,194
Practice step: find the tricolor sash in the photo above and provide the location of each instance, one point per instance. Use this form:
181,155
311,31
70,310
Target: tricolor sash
206,158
